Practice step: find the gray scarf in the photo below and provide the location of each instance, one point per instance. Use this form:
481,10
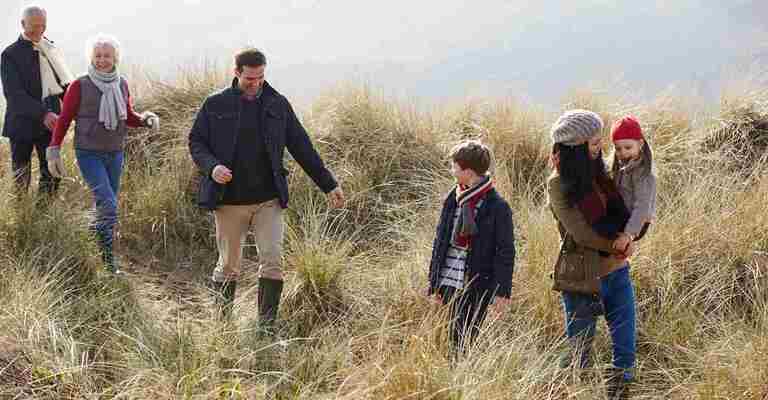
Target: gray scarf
112,108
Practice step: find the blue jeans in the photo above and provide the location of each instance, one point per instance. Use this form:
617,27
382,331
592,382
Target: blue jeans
618,301
101,171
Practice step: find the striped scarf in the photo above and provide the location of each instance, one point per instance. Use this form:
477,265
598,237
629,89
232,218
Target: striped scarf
467,199
604,210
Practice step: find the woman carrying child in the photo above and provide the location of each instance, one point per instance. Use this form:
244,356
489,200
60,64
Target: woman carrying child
591,274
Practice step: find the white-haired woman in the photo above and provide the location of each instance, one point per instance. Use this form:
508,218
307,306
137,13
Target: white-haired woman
100,104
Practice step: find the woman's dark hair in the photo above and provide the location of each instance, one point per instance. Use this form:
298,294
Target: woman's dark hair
578,172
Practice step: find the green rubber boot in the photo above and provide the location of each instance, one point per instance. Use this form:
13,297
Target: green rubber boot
270,291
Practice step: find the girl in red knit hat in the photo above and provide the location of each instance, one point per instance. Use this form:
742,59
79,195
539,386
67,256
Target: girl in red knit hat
633,173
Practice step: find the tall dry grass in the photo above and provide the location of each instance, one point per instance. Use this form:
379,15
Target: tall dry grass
354,320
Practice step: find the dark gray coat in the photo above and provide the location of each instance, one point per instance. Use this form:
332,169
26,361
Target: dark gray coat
22,87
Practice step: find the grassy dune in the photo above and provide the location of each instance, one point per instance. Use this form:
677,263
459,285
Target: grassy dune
355,322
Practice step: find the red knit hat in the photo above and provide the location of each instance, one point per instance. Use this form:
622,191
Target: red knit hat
626,128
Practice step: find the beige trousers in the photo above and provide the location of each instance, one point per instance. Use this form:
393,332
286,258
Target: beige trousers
232,226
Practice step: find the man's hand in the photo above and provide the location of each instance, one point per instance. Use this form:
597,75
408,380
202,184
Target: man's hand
221,174
50,120
501,305
336,197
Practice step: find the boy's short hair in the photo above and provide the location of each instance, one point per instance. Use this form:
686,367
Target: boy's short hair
249,57
473,155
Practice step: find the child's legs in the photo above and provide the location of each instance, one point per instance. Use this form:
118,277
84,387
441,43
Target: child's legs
473,314
619,300
579,326
449,295
468,311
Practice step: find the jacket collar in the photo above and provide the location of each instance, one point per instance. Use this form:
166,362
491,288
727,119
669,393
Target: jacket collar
26,42
491,195
266,91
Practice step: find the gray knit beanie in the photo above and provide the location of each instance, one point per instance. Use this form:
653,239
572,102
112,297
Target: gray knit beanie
575,127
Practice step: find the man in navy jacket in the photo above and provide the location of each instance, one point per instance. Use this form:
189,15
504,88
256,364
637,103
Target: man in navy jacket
238,141
31,67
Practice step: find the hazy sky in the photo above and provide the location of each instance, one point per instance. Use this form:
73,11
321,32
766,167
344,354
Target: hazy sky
448,48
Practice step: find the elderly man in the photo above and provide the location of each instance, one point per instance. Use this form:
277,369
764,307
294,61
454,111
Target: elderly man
238,141
34,79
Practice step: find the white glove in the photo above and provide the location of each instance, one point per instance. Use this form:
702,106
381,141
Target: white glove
55,164
151,120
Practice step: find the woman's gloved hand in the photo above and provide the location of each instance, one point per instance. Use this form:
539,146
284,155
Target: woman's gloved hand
55,164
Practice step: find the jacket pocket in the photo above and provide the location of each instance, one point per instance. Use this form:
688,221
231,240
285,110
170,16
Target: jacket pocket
221,115
222,120
209,193
576,271
275,124
85,132
272,113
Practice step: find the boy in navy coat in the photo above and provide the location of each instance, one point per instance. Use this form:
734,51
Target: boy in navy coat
473,254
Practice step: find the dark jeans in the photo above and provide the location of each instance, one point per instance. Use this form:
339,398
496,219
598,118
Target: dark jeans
468,311
101,171
618,300
21,160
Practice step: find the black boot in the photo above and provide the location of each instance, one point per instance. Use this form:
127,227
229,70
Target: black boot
48,187
577,353
616,385
269,302
108,257
225,297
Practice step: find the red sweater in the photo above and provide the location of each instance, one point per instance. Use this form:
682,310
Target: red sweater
72,105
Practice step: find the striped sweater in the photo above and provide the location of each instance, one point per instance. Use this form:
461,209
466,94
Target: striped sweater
452,272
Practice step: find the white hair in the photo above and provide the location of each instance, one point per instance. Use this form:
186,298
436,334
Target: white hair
101,40
33,11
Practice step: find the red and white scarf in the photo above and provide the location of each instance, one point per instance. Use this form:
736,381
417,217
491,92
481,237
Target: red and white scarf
467,199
